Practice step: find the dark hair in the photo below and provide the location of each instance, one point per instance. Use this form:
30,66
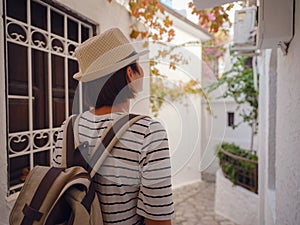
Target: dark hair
109,90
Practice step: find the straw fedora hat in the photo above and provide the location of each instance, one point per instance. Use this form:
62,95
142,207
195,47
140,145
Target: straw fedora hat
104,54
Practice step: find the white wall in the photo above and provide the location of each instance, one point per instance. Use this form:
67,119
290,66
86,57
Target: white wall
267,138
184,5
183,127
183,123
215,131
106,14
288,132
234,202
279,180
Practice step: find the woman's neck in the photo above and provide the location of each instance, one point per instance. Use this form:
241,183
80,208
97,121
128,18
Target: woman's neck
121,107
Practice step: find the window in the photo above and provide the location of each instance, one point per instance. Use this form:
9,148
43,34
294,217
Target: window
230,119
40,63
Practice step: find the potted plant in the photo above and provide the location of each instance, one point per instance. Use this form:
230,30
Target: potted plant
239,166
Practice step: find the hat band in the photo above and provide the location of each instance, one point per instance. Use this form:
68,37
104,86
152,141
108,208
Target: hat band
130,55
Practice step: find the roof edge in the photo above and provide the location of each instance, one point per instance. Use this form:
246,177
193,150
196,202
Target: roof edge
187,21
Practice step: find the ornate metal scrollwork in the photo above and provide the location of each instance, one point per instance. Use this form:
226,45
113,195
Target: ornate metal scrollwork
57,45
71,49
17,32
41,139
19,142
39,39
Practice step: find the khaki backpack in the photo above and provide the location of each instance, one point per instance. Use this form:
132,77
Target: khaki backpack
66,196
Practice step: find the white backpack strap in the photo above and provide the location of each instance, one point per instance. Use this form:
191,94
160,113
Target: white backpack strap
76,131
118,132
64,141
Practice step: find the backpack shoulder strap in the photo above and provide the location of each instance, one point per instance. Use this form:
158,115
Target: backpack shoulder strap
68,140
76,131
109,138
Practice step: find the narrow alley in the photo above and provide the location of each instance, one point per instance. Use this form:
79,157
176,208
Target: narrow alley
194,205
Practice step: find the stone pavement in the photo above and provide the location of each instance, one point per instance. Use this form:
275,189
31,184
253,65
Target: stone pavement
194,205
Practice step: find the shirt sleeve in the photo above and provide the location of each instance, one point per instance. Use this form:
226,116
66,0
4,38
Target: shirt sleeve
155,200
57,153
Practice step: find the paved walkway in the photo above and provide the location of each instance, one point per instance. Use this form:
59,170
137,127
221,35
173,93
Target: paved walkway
194,205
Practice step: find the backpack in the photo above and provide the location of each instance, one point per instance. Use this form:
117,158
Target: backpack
66,196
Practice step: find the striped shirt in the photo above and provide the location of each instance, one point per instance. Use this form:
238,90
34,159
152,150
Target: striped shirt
135,180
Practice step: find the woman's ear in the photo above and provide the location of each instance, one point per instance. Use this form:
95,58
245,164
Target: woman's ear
129,74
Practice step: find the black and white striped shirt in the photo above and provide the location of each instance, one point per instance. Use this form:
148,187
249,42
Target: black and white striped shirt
135,179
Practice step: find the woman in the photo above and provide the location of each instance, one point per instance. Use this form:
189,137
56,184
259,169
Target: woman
134,183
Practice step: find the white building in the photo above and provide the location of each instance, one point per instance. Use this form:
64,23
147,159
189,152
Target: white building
279,120
278,140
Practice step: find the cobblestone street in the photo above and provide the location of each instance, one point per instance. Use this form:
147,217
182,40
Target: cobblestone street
194,205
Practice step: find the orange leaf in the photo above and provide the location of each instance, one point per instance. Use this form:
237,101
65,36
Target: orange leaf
161,8
171,33
168,22
155,37
144,34
172,66
134,34
163,53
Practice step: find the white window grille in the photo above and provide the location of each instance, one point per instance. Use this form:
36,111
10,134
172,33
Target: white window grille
40,42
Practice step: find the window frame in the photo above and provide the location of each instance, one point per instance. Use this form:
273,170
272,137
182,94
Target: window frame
28,28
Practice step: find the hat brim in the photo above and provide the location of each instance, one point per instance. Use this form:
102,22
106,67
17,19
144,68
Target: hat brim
89,76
